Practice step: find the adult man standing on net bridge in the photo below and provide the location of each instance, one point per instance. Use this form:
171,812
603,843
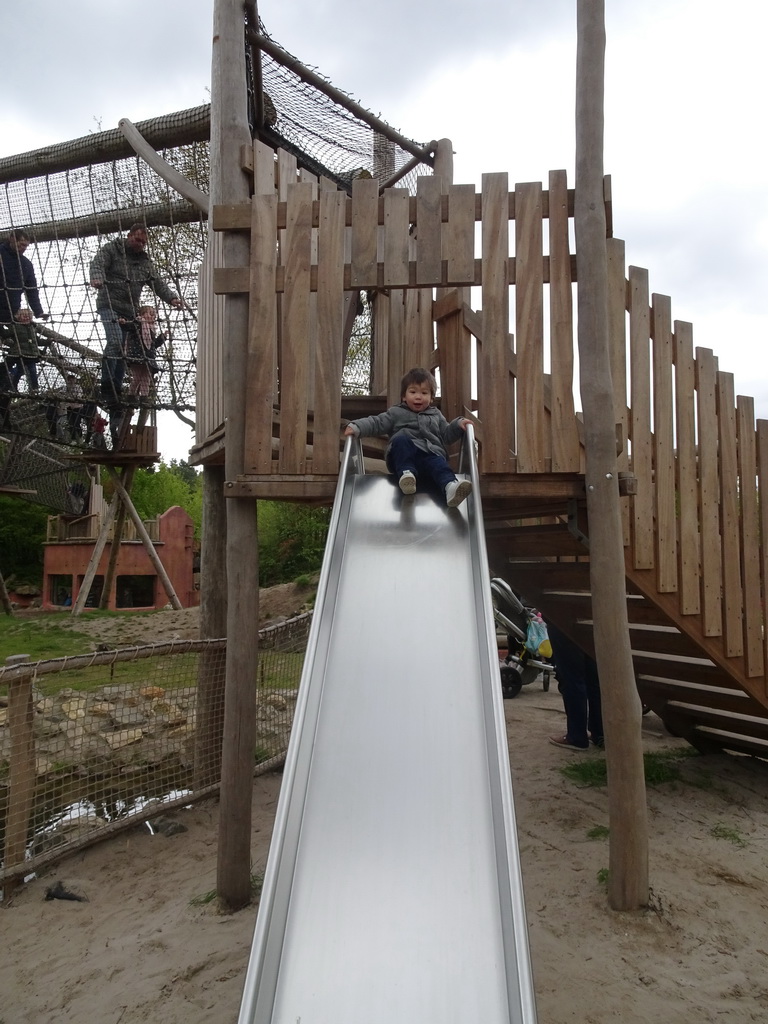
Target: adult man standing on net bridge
17,281
119,272
17,278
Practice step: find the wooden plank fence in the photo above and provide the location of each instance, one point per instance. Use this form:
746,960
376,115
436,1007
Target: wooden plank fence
490,306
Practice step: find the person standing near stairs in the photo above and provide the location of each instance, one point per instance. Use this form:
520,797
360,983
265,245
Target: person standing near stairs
579,686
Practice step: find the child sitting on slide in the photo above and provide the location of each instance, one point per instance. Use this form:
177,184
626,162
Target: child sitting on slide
418,434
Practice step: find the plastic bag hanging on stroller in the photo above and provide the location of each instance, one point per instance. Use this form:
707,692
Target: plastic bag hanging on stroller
537,638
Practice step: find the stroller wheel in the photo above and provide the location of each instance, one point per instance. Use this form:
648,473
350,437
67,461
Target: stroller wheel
511,681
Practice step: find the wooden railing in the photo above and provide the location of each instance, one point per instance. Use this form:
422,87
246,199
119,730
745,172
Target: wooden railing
489,304
65,529
696,524
418,256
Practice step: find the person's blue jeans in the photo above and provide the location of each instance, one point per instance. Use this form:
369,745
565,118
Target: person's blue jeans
404,455
17,365
579,687
113,361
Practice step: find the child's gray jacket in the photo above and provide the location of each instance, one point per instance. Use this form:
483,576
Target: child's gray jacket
429,430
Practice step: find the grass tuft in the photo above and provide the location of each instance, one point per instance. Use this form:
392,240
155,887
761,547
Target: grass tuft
660,766
731,835
599,832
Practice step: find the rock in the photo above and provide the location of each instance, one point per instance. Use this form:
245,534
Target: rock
101,708
167,826
123,738
74,709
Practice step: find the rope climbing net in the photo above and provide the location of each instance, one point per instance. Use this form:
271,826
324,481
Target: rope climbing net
75,199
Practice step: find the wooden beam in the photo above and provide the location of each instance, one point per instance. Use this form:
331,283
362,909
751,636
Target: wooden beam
628,856
149,547
98,551
229,184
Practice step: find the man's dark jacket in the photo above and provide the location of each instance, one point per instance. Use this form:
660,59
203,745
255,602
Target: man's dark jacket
17,278
121,274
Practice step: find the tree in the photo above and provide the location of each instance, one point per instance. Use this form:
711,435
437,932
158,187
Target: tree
22,535
158,488
291,540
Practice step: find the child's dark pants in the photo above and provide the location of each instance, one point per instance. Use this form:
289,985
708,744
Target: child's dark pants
403,454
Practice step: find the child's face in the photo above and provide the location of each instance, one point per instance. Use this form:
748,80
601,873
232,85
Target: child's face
150,315
418,397
24,316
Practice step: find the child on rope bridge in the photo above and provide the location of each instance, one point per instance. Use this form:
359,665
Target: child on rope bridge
418,434
140,345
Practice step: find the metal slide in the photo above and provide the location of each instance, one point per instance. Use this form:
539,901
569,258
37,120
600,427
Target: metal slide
392,893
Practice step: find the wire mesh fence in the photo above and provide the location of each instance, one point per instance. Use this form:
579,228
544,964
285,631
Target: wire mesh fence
102,361
93,744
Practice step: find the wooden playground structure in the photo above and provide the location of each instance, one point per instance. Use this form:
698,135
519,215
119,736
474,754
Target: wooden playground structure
687,447
483,286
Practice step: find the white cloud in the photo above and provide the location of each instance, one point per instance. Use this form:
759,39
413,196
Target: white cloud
685,89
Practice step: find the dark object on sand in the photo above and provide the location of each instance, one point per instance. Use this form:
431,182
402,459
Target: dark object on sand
58,892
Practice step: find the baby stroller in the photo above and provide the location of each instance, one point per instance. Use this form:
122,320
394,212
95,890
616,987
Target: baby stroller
527,655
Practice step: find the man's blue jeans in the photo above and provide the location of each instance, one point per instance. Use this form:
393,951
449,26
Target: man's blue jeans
113,362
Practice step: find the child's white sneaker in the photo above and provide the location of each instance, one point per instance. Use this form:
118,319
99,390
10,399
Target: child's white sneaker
407,482
456,491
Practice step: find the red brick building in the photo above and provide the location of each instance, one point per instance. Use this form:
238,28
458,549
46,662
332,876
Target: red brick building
136,584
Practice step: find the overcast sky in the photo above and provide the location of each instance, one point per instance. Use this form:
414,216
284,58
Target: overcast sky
686,90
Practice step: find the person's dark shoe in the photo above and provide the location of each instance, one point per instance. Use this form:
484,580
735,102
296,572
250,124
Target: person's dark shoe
563,741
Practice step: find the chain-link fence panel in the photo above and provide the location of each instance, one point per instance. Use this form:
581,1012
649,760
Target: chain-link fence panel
92,744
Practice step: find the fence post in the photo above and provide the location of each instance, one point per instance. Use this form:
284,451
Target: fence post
21,780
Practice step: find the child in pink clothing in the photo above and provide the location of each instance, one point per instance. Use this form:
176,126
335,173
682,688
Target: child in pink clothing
141,345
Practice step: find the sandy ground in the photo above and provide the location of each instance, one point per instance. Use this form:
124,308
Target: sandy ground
139,951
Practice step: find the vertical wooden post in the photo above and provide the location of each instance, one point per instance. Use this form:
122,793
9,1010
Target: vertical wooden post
4,599
229,184
21,779
98,551
453,338
213,625
117,539
149,547
628,860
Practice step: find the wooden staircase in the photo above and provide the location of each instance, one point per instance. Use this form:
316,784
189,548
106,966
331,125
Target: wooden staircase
683,676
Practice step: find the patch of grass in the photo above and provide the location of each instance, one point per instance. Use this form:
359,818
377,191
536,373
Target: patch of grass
664,765
41,637
603,875
660,766
257,881
280,669
731,835
590,772
598,832
701,779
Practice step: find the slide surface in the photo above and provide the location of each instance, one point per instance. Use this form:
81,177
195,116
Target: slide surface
392,893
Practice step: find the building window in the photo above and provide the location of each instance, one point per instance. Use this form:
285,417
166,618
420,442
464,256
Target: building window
60,590
135,591
94,594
